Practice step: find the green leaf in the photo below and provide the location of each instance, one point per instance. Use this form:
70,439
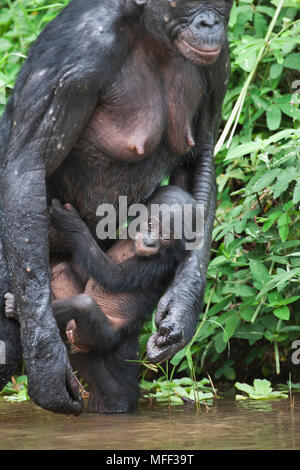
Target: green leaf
241,291
284,232
262,386
275,70
271,219
282,312
244,387
220,344
273,117
259,271
246,312
261,390
265,180
296,196
230,326
293,61
283,220
219,306
229,373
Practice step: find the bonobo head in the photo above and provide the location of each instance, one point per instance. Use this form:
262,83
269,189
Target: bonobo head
194,28
169,223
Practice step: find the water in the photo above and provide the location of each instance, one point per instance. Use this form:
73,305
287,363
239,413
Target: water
228,425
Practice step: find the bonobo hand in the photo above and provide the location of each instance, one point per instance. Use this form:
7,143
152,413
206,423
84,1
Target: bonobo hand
176,318
51,382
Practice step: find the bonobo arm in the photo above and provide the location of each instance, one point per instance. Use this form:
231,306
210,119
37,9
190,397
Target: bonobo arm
179,309
55,94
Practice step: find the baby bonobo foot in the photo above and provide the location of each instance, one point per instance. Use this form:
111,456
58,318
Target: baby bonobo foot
10,306
66,218
77,344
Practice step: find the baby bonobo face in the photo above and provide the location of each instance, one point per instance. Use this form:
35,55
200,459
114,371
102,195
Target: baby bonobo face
153,237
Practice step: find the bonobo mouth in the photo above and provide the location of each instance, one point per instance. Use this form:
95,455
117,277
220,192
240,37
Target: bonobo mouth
208,54
143,249
203,55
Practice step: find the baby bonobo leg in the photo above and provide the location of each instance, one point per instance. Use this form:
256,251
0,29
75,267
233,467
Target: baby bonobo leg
10,306
65,282
90,327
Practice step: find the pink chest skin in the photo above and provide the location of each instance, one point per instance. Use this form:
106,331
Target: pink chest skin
151,103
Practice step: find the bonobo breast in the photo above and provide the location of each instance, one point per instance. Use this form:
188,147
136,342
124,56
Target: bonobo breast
150,102
139,131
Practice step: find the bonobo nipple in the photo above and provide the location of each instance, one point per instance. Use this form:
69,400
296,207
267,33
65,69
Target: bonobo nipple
138,148
189,138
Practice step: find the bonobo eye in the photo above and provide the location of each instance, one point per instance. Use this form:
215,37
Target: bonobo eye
165,238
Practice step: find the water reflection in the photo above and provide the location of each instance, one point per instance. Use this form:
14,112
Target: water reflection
227,425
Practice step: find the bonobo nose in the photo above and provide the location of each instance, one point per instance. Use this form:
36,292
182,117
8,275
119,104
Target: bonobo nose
150,242
207,20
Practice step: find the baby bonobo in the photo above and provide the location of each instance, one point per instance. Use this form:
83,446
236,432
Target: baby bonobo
101,300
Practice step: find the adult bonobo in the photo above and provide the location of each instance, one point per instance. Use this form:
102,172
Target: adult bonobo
114,95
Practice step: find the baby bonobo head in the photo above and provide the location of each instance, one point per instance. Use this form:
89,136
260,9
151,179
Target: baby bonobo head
169,223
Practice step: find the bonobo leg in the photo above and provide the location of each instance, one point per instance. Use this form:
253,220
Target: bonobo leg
10,344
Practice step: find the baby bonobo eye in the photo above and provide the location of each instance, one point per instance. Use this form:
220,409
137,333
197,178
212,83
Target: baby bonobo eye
165,236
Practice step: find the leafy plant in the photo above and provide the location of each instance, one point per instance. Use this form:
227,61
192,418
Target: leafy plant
261,390
178,391
16,391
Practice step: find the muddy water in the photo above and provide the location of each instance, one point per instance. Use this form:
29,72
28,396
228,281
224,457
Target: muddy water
228,425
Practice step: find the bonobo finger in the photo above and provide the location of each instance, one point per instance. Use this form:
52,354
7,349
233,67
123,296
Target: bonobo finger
156,354
162,308
56,203
169,332
68,206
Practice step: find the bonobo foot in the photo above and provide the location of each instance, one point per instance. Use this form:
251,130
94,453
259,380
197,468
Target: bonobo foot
10,306
75,341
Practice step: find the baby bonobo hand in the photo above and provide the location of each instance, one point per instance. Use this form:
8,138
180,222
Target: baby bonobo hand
10,306
66,218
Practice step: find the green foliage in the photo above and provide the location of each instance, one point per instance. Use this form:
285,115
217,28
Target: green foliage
21,21
177,391
16,391
261,390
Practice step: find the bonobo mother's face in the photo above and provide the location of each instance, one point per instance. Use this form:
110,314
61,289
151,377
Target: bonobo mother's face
194,28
